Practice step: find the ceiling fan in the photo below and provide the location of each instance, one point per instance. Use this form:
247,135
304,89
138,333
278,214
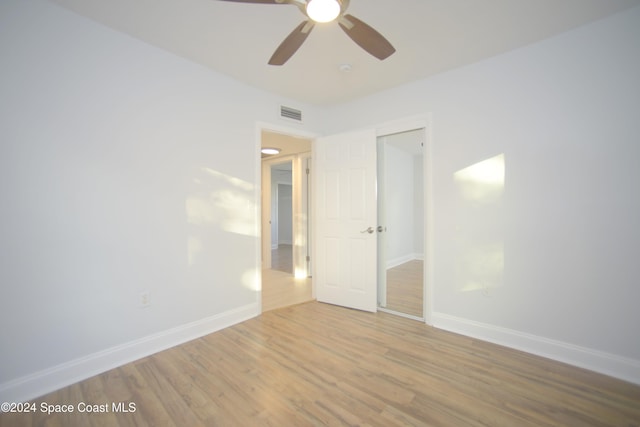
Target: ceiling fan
326,11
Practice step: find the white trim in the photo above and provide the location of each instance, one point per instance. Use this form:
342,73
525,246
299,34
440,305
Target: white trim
391,263
403,259
264,232
429,227
594,360
261,254
398,313
425,122
286,130
295,158
403,125
57,377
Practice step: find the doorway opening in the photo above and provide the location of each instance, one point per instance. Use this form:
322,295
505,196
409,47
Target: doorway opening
286,221
401,216
347,227
282,217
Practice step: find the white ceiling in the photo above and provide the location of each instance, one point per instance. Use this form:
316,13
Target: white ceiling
430,36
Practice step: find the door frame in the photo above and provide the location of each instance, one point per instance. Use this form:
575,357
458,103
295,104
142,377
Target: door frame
424,122
258,167
266,235
421,121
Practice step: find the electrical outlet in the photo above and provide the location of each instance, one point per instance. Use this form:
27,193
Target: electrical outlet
145,299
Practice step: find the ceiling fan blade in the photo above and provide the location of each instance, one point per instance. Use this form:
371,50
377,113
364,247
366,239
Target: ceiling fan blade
366,37
291,44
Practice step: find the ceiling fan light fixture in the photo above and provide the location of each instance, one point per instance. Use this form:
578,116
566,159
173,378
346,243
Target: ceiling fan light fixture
323,10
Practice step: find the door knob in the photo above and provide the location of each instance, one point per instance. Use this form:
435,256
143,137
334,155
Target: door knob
368,230
381,229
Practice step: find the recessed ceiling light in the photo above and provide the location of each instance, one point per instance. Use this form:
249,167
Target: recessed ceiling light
270,151
345,68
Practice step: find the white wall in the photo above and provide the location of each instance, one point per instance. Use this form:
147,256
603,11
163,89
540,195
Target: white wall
122,169
564,113
112,182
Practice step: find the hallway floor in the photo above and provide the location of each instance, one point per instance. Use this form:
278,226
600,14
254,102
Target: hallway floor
280,289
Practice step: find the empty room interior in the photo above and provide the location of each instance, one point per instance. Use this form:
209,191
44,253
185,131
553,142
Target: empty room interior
444,229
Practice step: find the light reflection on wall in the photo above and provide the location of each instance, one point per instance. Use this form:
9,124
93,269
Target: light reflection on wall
299,244
482,182
252,280
218,202
479,235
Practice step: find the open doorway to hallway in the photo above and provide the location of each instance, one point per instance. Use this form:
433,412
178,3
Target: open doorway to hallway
286,221
282,217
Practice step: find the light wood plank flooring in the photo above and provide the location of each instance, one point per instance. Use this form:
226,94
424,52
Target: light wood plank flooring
315,364
282,258
405,288
281,289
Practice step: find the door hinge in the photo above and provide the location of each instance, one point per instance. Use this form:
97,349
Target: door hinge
308,258
307,171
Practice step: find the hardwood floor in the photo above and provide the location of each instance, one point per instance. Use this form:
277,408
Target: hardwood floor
316,364
281,289
282,258
405,288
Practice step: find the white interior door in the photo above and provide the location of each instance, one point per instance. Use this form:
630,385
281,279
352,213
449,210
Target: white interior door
345,204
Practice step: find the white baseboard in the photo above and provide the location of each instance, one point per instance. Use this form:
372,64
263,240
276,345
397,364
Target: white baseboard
593,360
401,260
57,377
